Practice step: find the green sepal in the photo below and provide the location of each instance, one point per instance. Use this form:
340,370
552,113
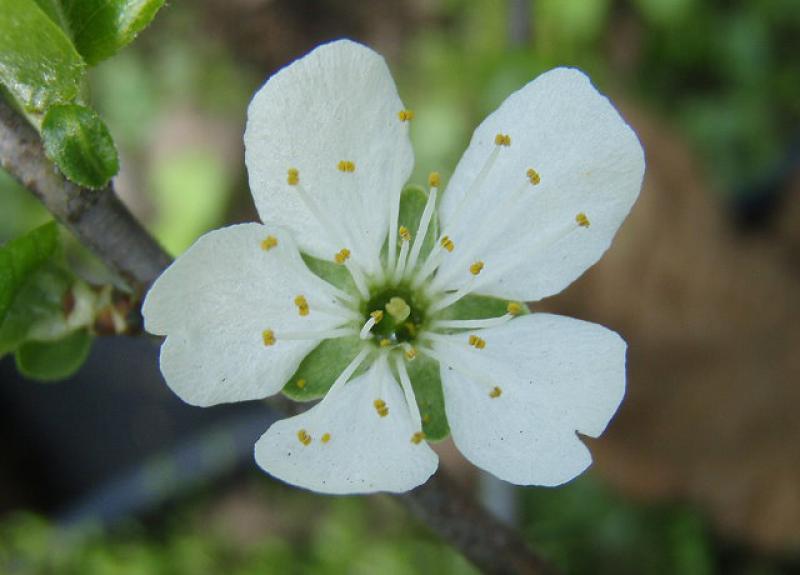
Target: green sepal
321,367
39,65
331,272
77,140
54,360
479,307
20,258
412,203
427,384
100,28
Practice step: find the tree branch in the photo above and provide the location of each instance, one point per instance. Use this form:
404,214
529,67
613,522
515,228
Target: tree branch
96,217
101,222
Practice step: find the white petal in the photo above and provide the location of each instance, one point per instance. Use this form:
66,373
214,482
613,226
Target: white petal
589,161
365,452
337,103
214,303
557,375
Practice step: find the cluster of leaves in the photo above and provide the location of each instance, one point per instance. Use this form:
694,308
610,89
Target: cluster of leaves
46,47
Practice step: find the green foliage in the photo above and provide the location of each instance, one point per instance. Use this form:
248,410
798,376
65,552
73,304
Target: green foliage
331,272
21,257
54,360
39,66
425,379
321,367
478,307
100,28
77,140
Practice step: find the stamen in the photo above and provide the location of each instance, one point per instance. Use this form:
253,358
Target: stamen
385,342
405,235
405,115
292,176
434,179
381,407
417,438
447,243
410,352
533,176
476,268
408,391
342,256
514,308
496,392
326,437
476,342
502,140
402,258
268,243
303,437
268,337
300,383
347,373
377,315
411,327
471,323
582,220
365,330
302,305
346,166
445,359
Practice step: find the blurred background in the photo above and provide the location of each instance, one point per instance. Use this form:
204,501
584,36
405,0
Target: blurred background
700,470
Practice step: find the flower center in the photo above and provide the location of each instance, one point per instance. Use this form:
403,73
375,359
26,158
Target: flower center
401,314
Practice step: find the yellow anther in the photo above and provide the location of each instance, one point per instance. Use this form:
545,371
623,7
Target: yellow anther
293,176
268,243
302,305
417,438
346,166
411,353
447,243
342,256
377,315
476,268
496,392
405,115
582,220
304,437
326,437
268,337
514,308
502,140
381,407
398,309
533,176
300,383
405,234
477,342
411,327
434,179
426,418
385,342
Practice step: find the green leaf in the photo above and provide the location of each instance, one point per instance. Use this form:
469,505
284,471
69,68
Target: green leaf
331,272
321,367
39,66
77,140
101,27
21,257
51,361
412,204
425,379
478,307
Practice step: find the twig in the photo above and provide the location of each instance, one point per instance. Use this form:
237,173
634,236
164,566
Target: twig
96,217
103,223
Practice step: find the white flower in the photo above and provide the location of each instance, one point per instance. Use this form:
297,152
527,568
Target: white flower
536,199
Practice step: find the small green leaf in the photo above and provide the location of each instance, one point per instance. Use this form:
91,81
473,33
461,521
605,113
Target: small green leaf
425,379
331,272
101,27
478,307
54,360
321,367
77,140
39,66
412,204
21,257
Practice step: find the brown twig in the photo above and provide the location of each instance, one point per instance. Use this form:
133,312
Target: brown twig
100,221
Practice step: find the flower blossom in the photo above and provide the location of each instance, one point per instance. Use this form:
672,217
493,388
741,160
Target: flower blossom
402,308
